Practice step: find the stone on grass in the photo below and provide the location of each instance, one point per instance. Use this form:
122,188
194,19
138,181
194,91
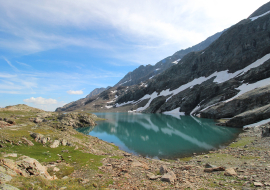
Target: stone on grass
230,172
152,176
258,184
28,141
55,144
55,169
214,169
14,155
64,142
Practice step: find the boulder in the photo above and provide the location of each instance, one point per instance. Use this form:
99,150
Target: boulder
230,172
55,144
28,141
163,169
152,176
33,167
64,142
214,169
169,177
38,120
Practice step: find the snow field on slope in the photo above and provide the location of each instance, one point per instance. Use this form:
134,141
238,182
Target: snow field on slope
221,77
254,18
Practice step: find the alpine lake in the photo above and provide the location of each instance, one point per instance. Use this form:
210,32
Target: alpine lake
161,136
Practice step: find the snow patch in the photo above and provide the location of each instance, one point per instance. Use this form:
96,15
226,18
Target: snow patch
125,82
258,123
108,107
220,77
176,111
176,61
114,91
254,18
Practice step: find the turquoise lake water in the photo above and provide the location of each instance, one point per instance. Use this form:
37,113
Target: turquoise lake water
161,136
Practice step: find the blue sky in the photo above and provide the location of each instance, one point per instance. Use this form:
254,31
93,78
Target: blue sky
57,51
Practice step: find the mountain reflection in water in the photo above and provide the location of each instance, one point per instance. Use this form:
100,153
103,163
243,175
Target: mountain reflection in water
161,136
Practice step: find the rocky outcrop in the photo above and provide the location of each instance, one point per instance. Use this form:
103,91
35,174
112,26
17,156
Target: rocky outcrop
77,119
250,117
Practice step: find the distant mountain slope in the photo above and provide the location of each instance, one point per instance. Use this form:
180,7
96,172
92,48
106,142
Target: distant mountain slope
96,91
144,73
81,102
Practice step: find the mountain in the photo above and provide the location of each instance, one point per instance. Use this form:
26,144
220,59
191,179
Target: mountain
96,91
144,73
228,79
76,105
137,76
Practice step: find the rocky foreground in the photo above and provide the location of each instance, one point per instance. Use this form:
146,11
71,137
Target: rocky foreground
42,150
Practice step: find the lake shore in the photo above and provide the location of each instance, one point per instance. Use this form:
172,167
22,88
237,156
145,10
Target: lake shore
85,162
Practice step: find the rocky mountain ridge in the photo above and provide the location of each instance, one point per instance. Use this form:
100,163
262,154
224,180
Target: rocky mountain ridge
141,74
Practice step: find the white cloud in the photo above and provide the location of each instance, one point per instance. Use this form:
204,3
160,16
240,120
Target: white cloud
41,25
75,92
41,101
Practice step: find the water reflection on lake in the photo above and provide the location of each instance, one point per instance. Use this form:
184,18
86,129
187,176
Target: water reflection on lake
161,136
